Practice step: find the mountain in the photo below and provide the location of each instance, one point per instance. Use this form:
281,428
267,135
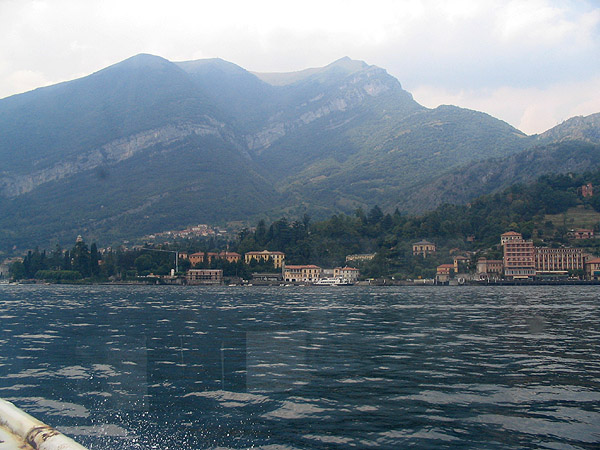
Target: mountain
148,145
579,128
461,185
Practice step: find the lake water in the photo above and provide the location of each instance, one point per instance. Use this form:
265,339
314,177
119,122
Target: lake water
123,367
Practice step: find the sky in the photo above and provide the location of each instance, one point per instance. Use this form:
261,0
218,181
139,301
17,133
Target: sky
531,63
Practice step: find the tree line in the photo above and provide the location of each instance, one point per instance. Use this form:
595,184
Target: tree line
475,227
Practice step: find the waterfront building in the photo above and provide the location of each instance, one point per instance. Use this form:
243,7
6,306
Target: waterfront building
444,273
278,258
423,248
592,269
519,256
558,261
204,276
302,273
489,268
349,274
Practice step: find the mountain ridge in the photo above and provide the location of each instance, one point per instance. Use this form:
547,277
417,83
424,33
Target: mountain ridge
221,144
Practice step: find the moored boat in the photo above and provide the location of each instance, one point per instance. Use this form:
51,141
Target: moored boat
332,282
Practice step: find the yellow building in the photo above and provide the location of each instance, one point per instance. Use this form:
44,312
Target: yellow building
278,258
558,260
304,274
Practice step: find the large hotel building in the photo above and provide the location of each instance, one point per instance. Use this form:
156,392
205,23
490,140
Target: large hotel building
523,260
557,261
519,256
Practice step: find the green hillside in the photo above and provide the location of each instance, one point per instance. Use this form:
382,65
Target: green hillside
460,185
543,210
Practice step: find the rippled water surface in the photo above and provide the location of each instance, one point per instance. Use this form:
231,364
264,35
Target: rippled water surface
122,367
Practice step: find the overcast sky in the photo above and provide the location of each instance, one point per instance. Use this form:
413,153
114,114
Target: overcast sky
532,63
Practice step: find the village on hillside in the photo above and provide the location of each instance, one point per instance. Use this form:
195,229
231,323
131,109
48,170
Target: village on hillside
521,261
172,257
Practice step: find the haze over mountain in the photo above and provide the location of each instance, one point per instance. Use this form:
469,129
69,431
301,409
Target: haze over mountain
148,145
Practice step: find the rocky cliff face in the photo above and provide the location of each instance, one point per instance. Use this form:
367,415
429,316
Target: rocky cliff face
370,82
111,153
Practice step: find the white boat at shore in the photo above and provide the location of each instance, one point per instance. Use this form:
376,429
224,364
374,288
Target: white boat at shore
332,282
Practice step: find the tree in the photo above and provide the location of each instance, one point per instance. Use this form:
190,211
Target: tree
360,214
17,270
94,267
260,235
143,263
375,215
81,258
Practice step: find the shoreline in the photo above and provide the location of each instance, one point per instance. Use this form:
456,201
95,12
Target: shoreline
381,283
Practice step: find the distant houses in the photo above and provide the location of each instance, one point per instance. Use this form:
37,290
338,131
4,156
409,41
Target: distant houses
522,260
581,233
307,273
